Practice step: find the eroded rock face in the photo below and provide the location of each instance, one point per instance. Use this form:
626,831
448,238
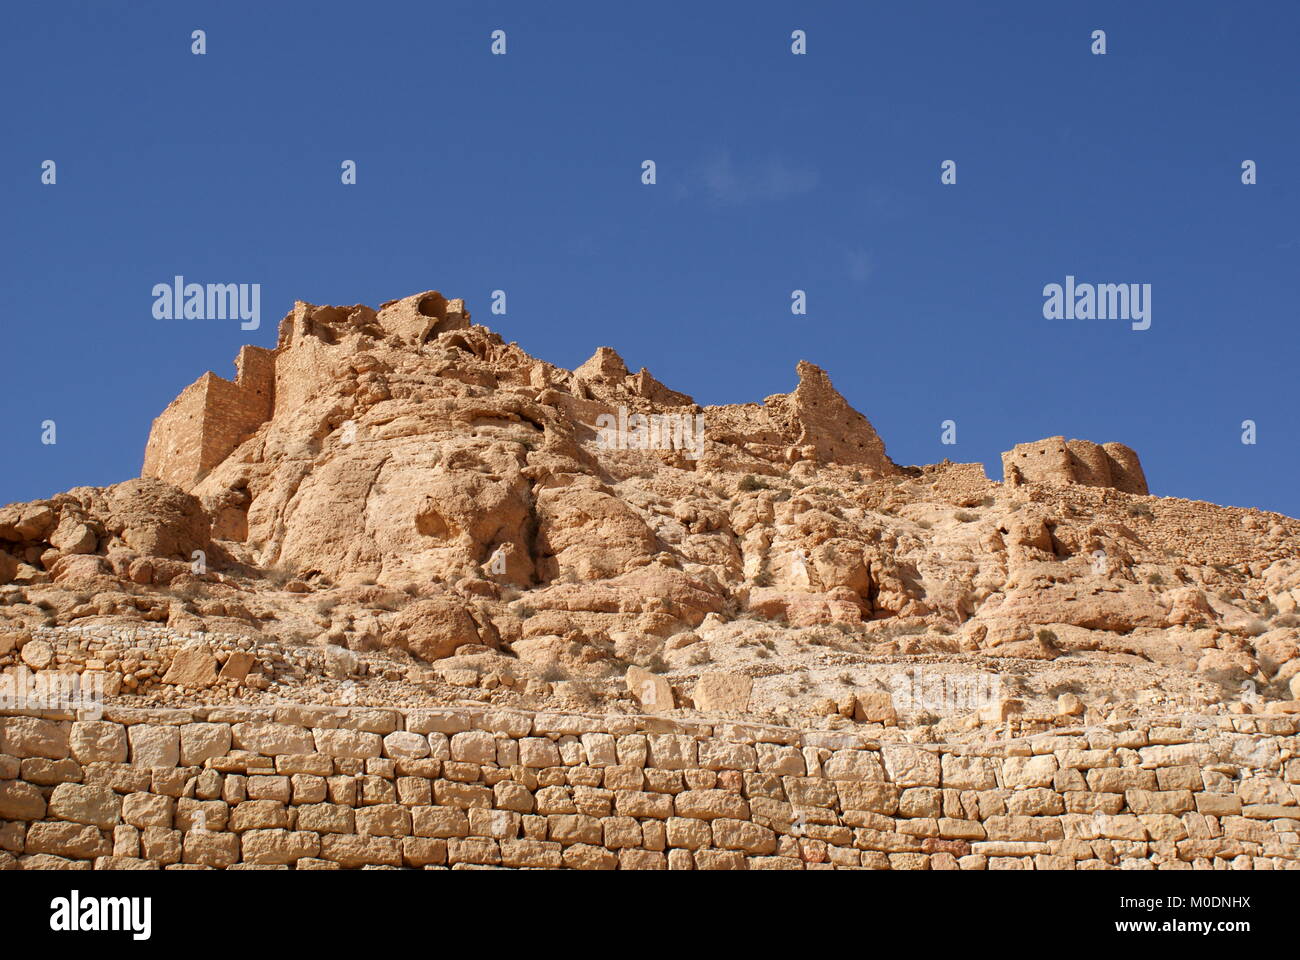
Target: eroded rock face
814,423
155,519
405,484
92,530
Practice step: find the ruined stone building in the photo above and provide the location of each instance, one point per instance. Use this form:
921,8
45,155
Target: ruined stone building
212,416
1061,462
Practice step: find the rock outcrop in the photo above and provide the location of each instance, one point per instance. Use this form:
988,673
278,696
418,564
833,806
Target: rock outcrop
432,513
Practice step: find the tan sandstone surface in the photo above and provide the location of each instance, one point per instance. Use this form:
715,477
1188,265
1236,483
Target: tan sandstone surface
398,506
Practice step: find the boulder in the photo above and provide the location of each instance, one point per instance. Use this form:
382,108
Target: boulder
194,666
432,629
654,692
722,692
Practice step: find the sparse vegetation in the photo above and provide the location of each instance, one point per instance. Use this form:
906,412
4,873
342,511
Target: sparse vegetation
891,630
554,673
279,575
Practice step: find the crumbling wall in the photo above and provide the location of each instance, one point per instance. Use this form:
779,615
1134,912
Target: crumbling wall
210,418
419,317
324,788
174,451
1062,462
1125,469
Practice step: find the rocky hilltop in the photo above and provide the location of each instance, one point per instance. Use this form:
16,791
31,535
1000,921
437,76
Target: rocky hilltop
397,506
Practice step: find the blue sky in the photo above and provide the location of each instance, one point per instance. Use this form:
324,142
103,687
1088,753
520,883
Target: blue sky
775,172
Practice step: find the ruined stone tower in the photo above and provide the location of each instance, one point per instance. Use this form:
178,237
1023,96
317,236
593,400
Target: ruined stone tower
213,416
1060,462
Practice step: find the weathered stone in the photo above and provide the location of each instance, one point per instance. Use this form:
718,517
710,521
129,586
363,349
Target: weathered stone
154,746
194,667
356,744
278,846
64,839
654,692
31,737
911,766
202,741
272,739
94,741
722,692
37,654
83,803
20,801
237,666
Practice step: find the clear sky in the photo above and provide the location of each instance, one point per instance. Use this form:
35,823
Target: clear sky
775,172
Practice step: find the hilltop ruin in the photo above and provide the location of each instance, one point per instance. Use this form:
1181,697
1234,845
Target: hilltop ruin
399,516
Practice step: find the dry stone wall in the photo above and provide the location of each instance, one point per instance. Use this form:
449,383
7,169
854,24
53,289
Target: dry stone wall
137,659
322,788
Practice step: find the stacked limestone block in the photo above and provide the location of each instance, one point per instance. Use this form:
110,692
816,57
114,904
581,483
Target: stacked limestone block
317,788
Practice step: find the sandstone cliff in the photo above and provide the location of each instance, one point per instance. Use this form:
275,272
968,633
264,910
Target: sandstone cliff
440,515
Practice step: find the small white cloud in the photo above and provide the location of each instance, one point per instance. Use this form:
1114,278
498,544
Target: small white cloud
733,183
861,265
